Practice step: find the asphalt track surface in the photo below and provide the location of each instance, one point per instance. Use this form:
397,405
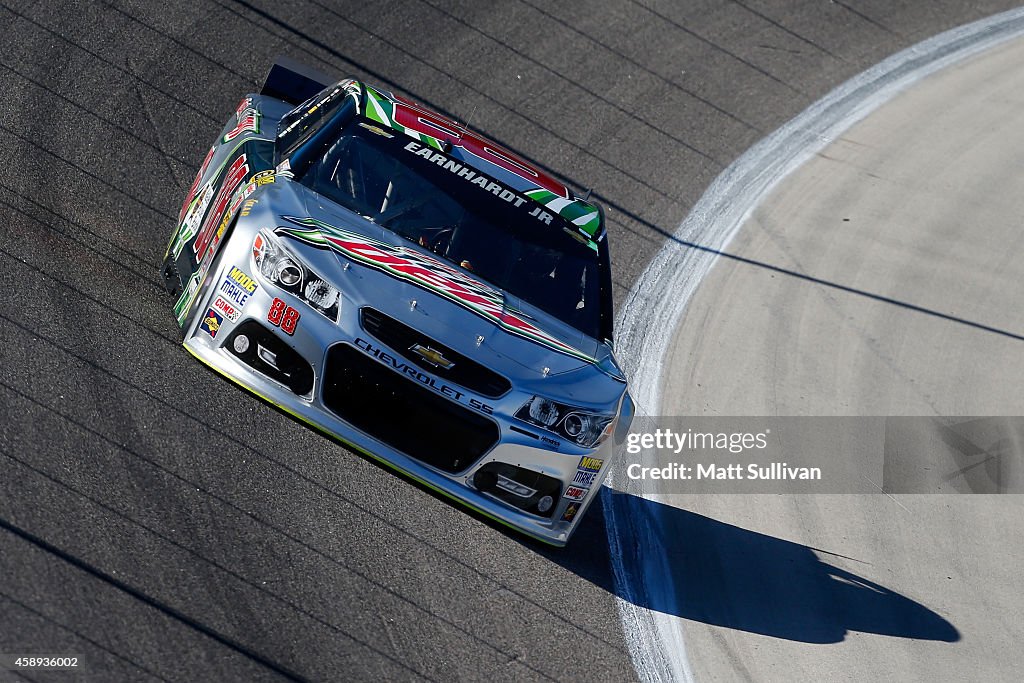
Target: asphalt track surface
910,224
164,525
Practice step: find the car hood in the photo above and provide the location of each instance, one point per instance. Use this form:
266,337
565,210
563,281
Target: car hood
375,267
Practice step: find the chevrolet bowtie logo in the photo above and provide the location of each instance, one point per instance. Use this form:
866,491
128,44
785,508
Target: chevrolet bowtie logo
435,358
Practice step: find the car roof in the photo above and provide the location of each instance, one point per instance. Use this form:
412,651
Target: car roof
446,135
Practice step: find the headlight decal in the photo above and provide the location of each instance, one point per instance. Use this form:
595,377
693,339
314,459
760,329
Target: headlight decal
283,268
582,427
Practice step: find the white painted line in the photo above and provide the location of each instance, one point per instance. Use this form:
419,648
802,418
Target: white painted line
642,575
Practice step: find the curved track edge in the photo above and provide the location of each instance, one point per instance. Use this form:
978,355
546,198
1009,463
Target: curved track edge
657,302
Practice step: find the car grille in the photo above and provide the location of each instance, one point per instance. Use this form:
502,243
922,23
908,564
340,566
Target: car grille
465,372
404,414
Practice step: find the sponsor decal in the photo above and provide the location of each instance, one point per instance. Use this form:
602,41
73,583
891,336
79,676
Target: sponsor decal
570,511
185,300
248,122
474,177
584,478
575,493
376,129
284,316
191,219
245,281
437,131
238,286
247,206
586,471
195,184
221,229
224,306
264,177
414,372
236,173
242,106
431,274
261,178
258,180
211,323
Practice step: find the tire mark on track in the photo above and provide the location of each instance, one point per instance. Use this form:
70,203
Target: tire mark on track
91,112
382,79
715,46
84,171
580,86
776,24
189,416
138,258
111,64
146,599
78,634
182,179
639,65
166,36
213,563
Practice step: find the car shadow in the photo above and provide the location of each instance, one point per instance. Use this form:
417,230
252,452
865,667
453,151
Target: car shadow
723,575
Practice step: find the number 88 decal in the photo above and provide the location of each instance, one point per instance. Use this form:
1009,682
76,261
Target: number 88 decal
283,316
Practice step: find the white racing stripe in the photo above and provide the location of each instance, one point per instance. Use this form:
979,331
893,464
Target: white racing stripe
657,302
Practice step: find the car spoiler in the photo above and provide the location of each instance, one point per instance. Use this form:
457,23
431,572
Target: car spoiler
293,81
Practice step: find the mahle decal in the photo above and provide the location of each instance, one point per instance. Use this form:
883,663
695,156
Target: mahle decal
238,286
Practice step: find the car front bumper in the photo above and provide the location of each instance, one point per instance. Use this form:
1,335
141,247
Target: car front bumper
313,340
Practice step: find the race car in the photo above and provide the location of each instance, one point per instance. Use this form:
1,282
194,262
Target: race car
411,288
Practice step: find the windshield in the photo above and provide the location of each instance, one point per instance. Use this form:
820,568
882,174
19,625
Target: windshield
483,227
